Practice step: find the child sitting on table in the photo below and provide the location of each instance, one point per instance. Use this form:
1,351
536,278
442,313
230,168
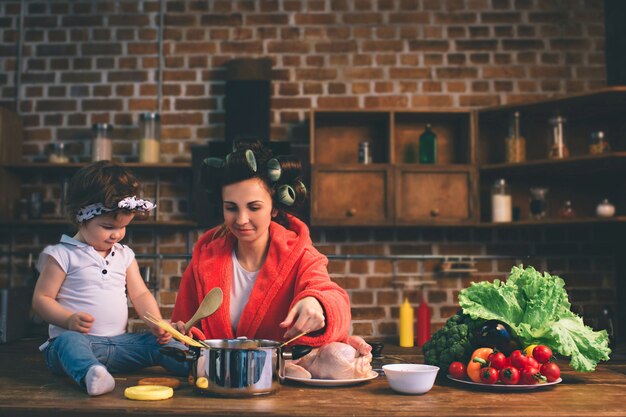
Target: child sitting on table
84,282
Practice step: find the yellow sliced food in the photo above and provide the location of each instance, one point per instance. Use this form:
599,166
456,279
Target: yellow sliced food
529,350
148,392
202,382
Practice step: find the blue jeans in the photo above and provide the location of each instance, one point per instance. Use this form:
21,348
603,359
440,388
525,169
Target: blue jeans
73,353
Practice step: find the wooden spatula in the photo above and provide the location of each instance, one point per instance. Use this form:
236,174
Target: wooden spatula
212,301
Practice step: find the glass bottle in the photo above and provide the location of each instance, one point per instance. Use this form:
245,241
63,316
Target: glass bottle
428,146
558,149
150,142
515,143
102,144
538,202
501,202
598,143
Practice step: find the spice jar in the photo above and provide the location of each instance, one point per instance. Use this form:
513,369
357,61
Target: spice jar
102,144
567,211
515,143
57,154
598,143
150,142
501,202
558,149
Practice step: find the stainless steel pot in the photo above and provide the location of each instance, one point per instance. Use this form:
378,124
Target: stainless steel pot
240,367
237,367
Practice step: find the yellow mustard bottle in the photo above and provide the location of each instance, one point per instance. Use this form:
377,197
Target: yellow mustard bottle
406,324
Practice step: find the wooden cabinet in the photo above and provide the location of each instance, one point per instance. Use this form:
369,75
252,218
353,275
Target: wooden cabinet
582,178
394,189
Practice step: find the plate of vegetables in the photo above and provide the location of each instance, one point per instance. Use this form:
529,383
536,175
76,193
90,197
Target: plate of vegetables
488,368
499,386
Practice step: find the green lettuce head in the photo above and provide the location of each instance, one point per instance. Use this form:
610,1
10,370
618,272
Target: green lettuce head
537,308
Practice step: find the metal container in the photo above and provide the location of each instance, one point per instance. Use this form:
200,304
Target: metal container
240,367
365,157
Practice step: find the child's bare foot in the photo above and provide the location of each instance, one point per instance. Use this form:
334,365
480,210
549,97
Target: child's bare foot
99,381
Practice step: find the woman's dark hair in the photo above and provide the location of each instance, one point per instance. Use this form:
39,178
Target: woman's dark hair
100,182
281,176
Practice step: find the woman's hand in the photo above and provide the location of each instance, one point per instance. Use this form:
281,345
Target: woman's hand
80,322
306,316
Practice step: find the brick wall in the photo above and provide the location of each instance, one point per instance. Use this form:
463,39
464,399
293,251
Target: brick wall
85,62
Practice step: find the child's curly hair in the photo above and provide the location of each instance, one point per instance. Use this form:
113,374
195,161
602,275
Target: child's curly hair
281,175
100,182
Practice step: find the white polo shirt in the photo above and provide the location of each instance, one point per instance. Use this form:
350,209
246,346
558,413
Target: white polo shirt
92,284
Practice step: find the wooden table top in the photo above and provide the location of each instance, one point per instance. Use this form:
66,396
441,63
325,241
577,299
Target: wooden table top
28,389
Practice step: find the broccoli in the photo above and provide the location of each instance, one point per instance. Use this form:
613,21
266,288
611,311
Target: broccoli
455,341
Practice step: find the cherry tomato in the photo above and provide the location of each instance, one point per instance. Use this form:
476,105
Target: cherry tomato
551,371
457,370
542,353
529,376
533,362
497,360
488,375
518,359
509,375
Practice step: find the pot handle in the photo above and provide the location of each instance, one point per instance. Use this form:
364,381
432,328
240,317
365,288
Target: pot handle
197,333
181,355
297,352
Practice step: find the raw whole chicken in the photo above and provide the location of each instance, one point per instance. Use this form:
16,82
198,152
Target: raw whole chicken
334,361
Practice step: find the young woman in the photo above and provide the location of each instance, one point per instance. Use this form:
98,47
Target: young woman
275,283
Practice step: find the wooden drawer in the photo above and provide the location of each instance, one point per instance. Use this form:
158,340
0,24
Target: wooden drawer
433,194
352,195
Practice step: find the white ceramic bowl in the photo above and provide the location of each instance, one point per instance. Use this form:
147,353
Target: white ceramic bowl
409,378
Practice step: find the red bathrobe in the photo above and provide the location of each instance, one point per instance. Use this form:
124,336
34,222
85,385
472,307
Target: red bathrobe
293,269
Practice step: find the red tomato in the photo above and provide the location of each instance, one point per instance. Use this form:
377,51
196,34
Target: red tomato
488,375
551,371
529,376
532,362
497,360
457,370
509,375
518,359
542,353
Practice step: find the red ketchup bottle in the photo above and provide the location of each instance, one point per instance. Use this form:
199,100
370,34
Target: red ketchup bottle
423,323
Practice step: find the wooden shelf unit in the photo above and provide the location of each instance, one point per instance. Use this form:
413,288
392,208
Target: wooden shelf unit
584,179
394,189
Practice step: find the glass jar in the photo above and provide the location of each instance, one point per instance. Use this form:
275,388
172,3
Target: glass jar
515,143
598,143
150,141
558,149
57,154
538,202
428,146
102,144
501,202
605,209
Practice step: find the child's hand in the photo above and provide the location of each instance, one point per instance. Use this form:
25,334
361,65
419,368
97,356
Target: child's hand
180,326
80,322
162,336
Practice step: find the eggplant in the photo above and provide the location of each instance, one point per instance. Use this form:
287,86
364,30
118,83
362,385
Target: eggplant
497,335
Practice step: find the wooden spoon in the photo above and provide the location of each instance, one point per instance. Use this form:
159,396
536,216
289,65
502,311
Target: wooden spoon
212,301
